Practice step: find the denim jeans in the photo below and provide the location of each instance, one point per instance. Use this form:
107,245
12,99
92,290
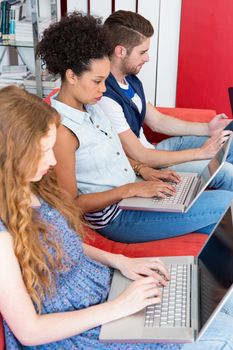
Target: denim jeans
133,226
219,336
223,180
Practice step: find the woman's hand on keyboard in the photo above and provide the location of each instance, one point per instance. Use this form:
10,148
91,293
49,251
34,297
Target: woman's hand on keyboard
135,268
150,189
148,173
137,296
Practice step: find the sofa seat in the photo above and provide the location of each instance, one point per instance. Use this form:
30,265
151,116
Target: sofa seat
189,244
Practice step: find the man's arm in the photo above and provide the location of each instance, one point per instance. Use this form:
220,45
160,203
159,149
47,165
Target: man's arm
157,158
154,158
168,125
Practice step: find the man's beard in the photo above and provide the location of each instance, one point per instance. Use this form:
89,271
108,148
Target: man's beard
127,69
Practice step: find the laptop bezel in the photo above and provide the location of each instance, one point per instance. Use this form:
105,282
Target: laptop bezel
197,195
228,293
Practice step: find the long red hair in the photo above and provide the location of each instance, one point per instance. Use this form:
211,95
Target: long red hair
24,120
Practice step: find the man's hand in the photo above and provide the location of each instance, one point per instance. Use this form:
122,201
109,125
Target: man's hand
212,145
218,123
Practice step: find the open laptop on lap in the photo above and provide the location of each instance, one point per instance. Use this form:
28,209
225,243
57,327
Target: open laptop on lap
187,191
199,287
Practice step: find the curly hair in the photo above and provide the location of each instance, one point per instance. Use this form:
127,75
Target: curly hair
72,43
128,29
24,120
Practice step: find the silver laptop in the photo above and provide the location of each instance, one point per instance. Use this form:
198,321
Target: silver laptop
198,288
187,191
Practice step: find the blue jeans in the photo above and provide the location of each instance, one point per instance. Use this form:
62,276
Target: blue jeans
133,226
219,336
223,180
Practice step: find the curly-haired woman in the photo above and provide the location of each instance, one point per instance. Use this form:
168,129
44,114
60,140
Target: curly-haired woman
92,165
53,288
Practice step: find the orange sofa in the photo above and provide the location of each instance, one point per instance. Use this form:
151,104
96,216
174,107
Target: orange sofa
184,245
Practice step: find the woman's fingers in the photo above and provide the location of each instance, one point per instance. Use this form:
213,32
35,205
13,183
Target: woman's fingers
159,277
153,267
151,290
165,191
170,175
154,189
159,268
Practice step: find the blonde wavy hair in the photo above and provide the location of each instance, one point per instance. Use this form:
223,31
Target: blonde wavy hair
24,120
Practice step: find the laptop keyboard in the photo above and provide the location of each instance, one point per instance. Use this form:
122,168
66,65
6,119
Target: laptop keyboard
182,189
173,311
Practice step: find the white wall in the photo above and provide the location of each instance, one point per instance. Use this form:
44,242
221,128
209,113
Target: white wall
168,52
148,73
160,73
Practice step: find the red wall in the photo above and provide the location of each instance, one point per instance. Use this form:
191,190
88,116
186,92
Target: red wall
205,69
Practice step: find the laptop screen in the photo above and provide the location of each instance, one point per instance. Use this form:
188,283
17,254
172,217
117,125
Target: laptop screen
215,264
215,163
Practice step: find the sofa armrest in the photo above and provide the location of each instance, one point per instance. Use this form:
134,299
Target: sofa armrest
2,341
189,114
53,92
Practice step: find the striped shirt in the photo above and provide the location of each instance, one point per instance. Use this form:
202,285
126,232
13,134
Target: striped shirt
101,218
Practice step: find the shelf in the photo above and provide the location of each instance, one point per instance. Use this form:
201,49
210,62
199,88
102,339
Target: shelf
38,14
16,44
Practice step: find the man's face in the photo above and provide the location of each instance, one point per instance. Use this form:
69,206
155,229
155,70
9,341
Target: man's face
132,63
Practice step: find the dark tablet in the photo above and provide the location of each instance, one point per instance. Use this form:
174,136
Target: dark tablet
229,126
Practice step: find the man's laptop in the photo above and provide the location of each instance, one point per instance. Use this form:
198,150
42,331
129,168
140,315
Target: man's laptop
187,191
198,288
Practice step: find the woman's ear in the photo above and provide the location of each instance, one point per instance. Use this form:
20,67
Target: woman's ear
71,77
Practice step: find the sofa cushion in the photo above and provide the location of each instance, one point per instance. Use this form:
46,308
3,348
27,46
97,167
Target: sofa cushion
1,334
189,244
189,114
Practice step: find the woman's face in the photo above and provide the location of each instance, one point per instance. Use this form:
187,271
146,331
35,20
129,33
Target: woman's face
47,158
90,86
